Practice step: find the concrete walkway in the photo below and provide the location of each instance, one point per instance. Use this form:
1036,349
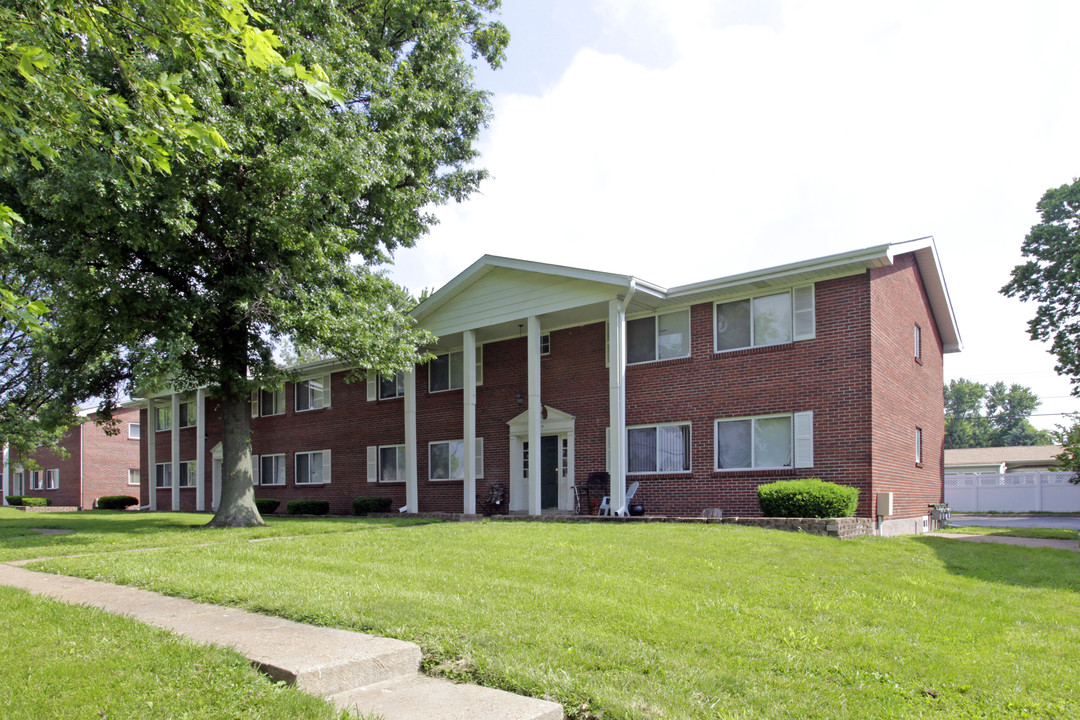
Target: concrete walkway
1009,540
363,674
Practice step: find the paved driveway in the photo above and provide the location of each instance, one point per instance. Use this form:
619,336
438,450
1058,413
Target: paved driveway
1069,522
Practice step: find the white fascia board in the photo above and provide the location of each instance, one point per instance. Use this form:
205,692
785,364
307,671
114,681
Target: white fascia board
937,291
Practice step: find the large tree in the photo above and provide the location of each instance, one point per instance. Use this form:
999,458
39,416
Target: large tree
190,279
995,415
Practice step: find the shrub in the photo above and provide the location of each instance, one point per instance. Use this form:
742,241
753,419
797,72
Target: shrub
267,506
14,499
36,502
364,505
116,502
809,498
308,507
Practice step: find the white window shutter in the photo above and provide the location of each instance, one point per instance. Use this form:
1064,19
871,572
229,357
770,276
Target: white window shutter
255,468
373,463
254,403
479,459
372,387
804,439
480,367
802,299
326,465
326,390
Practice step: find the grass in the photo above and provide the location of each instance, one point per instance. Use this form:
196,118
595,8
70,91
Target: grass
1040,533
62,661
672,621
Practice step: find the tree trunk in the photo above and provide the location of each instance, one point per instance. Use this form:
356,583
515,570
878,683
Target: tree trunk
237,507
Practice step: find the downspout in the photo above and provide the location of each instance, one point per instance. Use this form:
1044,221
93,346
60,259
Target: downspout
6,478
82,458
624,304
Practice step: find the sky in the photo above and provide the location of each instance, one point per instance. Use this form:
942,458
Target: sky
685,140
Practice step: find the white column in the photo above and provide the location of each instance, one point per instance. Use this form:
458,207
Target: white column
200,450
469,359
617,401
412,500
534,415
150,434
175,460
5,485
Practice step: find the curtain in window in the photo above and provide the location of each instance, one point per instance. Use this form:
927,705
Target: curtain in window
772,319
673,448
772,442
733,325
733,444
641,443
392,464
674,336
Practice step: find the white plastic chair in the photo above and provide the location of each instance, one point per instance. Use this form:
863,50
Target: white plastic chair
605,504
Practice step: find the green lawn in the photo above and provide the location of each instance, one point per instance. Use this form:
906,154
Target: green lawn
670,621
61,661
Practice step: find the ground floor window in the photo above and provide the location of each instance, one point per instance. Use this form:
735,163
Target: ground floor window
392,464
163,475
313,468
134,476
52,479
446,460
754,443
658,448
272,470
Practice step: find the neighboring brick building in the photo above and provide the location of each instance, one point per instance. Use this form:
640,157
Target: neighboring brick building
97,464
829,368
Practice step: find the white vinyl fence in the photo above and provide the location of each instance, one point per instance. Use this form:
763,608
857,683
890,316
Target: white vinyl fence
1012,492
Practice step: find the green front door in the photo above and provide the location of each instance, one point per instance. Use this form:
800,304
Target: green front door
549,471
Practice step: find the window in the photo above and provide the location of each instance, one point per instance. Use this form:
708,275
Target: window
391,464
134,431
392,386
658,448
313,394
272,402
447,372
766,442
163,418
188,416
658,337
766,320
187,474
134,476
313,468
52,479
918,344
163,475
918,446
446,460
272,470
545,344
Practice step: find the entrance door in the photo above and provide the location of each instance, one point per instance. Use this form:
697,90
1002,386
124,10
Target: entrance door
549,471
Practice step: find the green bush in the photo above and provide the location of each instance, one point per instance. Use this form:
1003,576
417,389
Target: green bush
116,502
364,505
15,500
308,507
809,498
35,502
267,506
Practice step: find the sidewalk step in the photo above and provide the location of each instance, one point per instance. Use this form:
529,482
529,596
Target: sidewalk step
434,699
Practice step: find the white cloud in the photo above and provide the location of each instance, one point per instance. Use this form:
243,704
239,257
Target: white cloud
830,126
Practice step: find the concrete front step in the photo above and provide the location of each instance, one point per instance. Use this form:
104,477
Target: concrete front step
434,699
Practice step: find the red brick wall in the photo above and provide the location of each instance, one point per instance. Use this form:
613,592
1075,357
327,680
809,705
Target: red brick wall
97,463
829,375
906,393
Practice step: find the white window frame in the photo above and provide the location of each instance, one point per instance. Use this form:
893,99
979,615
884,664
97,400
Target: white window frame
656,336
277,402
795,313
450,373
478,457
323,396
36,481
918,446
52,479
162,475
375,463
188,414
545,344
134,431
918,343
690,449
802,439
166,412
325,480
187,473
399,385
279,463
134,473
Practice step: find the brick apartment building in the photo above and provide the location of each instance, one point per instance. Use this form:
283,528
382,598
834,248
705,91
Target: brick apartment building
97,464
828,368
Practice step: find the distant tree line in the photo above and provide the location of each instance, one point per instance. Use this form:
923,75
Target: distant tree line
990,415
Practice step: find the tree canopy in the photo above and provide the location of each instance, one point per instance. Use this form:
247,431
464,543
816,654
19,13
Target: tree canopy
994,415
191,277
